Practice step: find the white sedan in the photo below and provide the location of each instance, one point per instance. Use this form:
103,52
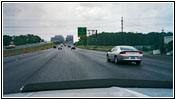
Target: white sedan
125,54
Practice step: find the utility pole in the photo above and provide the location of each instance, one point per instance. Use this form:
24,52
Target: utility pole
122,29
88,35
96,38
89,31
162,30
162,40
122,24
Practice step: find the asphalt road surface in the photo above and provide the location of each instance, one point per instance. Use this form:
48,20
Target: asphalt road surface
60,65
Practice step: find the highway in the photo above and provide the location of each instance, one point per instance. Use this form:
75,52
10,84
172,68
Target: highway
26,46
60,65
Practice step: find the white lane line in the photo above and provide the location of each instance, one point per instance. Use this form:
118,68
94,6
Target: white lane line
137,93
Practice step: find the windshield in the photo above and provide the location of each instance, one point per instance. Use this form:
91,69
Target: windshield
55,42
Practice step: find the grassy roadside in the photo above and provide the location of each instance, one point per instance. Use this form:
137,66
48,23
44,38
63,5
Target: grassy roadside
20,51
159,57
147,54
100,48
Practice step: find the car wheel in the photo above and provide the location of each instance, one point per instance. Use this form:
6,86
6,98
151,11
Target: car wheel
108,58
116,60
138,62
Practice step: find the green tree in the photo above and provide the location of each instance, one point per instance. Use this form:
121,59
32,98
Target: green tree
22,39
6,40
153,39
169,46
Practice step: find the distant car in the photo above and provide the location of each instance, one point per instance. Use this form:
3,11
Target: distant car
125,54
59,48
54,46
69,46
73,47
10,46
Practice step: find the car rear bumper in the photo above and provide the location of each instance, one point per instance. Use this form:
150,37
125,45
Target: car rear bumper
130,58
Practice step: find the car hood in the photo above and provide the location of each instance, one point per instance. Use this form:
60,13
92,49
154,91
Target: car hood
99,92
96,87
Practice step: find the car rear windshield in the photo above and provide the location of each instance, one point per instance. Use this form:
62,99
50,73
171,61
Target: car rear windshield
126,48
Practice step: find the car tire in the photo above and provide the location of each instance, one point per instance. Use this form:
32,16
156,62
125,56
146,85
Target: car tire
116,60
108,59
138,62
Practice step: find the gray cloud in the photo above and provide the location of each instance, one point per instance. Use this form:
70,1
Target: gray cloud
49,19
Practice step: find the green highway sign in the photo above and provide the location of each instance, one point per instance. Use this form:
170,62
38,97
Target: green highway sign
82,31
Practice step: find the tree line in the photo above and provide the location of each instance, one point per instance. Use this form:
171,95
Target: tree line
153,39
21,40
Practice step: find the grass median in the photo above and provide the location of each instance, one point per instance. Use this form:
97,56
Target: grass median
24,50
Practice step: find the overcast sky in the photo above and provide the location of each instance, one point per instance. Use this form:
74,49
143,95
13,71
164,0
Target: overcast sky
49,19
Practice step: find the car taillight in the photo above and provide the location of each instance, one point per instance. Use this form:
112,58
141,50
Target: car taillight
140,52
123,52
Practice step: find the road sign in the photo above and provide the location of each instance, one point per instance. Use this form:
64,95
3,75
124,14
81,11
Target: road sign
82,31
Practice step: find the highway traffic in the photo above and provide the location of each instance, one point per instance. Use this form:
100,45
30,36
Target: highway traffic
61,65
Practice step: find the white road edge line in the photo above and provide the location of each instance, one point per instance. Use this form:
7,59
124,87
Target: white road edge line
136,93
